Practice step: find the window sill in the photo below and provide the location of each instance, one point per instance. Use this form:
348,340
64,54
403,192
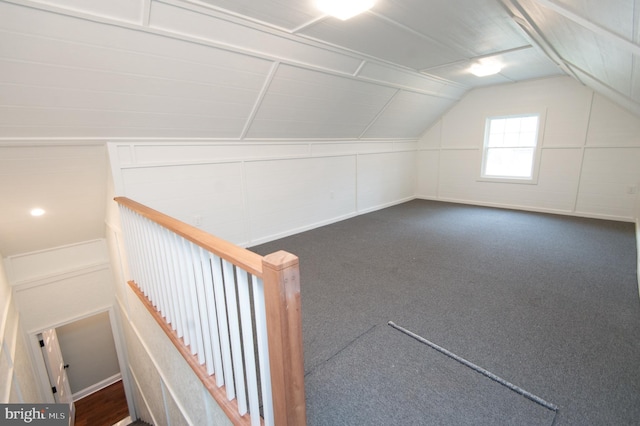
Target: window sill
523,181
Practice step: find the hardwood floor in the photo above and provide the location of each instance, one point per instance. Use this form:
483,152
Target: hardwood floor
102,408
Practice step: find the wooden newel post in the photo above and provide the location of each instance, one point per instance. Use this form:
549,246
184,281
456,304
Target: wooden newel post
281,277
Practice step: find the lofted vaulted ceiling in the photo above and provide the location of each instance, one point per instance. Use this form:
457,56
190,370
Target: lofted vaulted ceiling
242,69
78,71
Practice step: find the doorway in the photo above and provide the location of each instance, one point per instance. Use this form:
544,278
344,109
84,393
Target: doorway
56,369
89,358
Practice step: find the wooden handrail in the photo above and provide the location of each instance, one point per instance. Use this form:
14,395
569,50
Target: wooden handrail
280,275
247,260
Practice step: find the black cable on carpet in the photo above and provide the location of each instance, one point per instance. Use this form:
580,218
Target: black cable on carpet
480,370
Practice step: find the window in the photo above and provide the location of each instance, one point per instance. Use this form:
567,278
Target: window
510,148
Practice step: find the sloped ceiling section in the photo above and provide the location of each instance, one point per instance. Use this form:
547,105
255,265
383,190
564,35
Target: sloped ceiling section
70,77
597,42
218,68
243,69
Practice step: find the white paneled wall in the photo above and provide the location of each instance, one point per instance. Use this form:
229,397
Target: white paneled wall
385,179
211,193
611,126
590,161
289,195
608,175
28,267
61,284
18,382
249,193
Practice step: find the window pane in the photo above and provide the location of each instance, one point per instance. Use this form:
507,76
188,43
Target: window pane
510,147
497,125
527,139
529,124
509,162
496,139
513,125
511,139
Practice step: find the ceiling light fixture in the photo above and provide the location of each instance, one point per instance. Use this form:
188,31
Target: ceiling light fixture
37,212
344,9
485,68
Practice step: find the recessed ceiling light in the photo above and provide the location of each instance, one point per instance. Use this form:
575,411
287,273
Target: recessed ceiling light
37,212
344,9
485,68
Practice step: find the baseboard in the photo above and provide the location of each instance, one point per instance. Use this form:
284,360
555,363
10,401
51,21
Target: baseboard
528,208
124,422
290,232
384,206
274,237
98,386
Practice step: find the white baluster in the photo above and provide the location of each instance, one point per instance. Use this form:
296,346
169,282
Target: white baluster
197,295
130,246
178,286
208,260
263,350
144,276
207,301
221,309
163,269
149,249
189,287
147,260
244,300
234,334
174,278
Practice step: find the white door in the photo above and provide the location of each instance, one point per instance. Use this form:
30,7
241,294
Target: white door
57,371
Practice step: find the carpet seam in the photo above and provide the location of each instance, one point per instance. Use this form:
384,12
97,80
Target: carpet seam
341,350
478,369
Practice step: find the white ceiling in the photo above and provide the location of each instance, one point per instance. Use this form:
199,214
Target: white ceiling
81,72
69,182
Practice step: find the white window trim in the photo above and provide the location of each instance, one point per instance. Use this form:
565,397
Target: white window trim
537,154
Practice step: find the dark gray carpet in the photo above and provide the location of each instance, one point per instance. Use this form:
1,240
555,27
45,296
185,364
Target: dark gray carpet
548,303
389,379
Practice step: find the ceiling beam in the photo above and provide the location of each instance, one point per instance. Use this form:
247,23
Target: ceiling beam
536,36
622,42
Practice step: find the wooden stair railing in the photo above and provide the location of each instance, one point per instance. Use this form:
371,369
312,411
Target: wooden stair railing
214,300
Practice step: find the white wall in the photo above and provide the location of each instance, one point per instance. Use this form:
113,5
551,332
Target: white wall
55,287
249,193
590,163
18,383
